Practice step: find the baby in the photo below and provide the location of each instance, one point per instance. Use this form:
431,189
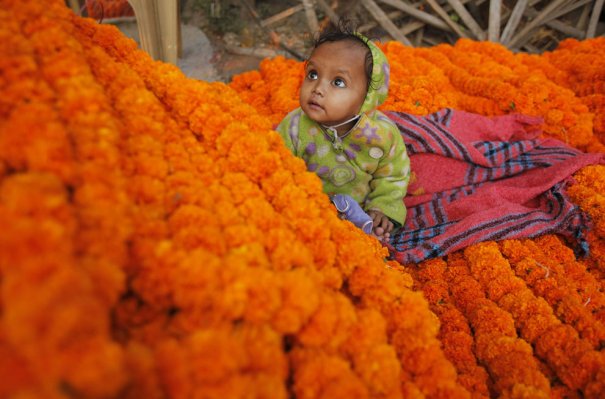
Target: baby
354,148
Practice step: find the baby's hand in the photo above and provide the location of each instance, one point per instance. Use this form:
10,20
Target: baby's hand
382,225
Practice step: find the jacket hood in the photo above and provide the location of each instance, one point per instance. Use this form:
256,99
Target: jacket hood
379,86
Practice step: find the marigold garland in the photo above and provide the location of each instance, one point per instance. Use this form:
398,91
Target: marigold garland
455,333
553,282
213,264
497,344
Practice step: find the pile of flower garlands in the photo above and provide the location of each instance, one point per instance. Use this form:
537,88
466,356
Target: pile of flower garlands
158,240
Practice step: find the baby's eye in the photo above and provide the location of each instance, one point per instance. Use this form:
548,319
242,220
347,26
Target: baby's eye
339,83
312,75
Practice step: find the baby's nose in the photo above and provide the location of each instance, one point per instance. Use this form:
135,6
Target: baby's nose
318,88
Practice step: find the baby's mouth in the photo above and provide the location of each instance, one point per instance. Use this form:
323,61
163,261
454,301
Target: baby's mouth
314,105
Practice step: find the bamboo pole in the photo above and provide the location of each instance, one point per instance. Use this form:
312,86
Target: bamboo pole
531,49
533,13
253,51
311,17
418,37
409,27
412,27
149,31
568,8
493,30
281,15
521,36
334,18
552,22
446,18
348,7
392,16
566,29
467,18
416,13
513,21
169,21
551,19
594,19
583,19
386,23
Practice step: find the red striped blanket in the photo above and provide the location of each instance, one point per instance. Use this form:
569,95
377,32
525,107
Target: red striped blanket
477,178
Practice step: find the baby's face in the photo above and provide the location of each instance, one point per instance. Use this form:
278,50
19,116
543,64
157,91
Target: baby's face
335,83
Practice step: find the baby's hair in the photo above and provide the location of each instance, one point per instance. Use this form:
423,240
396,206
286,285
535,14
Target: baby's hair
345,30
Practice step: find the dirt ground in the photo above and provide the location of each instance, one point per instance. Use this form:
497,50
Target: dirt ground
235,37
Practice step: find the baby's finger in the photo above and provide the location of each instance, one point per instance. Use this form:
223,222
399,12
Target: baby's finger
384,222
376,218
389,227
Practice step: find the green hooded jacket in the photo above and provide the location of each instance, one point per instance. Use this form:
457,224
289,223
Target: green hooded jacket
372,165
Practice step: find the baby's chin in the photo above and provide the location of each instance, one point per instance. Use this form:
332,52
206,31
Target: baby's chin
315,113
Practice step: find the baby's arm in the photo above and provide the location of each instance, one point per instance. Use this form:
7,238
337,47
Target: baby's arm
388,186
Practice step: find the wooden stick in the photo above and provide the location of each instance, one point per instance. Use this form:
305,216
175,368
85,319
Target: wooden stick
311,17
253,51
334,18
372,24
473,9
467,18
348,7
513,21
446,18
583,20
386,23
418,38
566,29
493,30
412,27
411,10
179,25
533,13
551,21
522,36
430,41
281,15
148,26
531,49
594,19
552,41
420,15
569,8
565,9
169,20
408,27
